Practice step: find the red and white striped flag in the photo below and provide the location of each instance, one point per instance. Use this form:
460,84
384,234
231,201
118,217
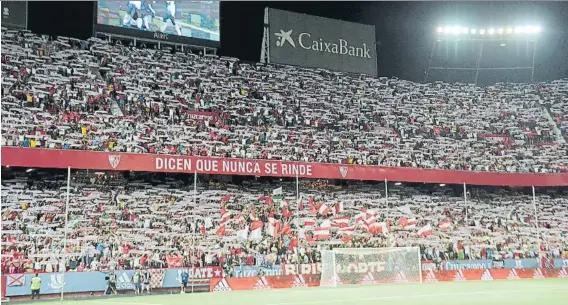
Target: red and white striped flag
321,233
323,209
425,231
346,230
342,221
309,222
360,217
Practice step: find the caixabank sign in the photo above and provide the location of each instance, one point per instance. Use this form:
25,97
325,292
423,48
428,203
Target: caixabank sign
317,42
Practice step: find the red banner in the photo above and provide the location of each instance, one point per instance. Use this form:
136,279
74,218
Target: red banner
174,261
491,274
3,288
78,159
264,282
311,280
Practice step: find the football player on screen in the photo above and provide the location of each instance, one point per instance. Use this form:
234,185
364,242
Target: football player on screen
171,16
150,13
133,13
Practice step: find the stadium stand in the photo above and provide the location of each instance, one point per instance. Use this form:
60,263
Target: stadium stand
147,219
69,94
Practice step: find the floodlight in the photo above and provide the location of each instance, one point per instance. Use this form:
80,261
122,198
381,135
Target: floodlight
473,31
440,29
500,31
518,30
491,31
527,29
456,30
398,183
509,30
447,29
537,29
482,32
465,30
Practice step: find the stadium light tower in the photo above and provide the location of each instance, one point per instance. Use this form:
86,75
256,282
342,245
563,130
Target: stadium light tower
481,42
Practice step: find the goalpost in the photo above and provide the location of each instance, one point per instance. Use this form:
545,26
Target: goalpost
344,266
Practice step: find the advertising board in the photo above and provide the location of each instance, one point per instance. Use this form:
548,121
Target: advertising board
317,42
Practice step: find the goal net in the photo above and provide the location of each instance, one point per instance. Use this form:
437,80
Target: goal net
370,266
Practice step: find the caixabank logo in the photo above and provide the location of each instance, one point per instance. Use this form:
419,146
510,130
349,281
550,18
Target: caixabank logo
304,40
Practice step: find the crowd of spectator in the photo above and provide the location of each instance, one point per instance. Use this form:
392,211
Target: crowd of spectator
92,95
119,221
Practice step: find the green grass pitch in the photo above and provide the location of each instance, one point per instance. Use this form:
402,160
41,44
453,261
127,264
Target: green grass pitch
520,292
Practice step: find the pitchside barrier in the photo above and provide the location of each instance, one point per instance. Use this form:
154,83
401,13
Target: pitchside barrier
14,285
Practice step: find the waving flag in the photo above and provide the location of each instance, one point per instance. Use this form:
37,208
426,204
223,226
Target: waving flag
445,225
378,227
277,191
323,209
407,224
313,209
342,221
309,222
300,203
221,230
425,230
338,207
346,230
226,198
256,230
321,233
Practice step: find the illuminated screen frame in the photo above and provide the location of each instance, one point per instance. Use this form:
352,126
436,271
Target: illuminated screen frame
134,33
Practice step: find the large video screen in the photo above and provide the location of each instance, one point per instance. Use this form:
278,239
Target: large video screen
191,19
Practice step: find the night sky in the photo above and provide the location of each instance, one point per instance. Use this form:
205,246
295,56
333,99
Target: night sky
405,30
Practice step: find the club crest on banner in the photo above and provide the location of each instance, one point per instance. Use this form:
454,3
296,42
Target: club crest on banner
343,170
114,160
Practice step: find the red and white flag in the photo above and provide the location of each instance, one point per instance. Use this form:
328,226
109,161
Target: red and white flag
221,230
425,231
445,225
346,230
226,198
323,209
360,217
309,222
371,220
313,209
273,228
338,207
253,216
256,230
225,216
378,227
321,233
341,221
407,224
